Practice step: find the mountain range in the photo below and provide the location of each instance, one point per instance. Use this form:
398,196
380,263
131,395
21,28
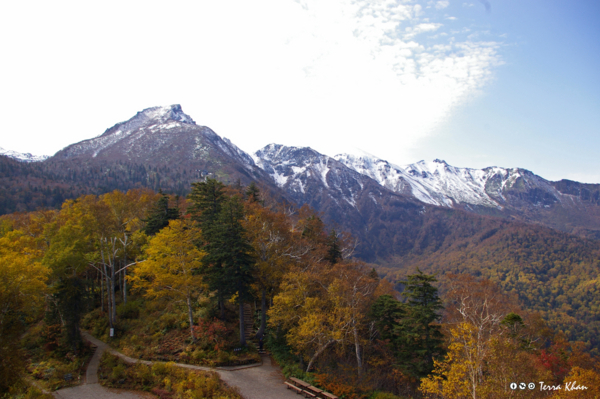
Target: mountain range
167,137
428,214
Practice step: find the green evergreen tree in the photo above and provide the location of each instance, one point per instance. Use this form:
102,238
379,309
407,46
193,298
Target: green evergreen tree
159,216
409,328
253,193
233,254
388,314
334,252
207,201
423,338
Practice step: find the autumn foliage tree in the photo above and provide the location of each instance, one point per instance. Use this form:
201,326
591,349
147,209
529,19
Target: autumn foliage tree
22,287
489,344
170,270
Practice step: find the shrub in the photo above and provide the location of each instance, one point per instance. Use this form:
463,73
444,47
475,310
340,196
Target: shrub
129,310
166,380
118,372
167,322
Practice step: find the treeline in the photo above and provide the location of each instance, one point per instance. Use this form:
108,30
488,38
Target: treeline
327,317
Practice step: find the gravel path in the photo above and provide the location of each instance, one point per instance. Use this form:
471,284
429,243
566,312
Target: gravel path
263,381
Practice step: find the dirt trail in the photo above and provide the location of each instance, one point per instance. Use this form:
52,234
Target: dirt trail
263,381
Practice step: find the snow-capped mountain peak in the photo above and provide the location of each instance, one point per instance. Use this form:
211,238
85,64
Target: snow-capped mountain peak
156,117
23,157
163,120
434,182
286,164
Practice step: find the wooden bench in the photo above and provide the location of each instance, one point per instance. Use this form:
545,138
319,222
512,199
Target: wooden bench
292,386
299,383
308,390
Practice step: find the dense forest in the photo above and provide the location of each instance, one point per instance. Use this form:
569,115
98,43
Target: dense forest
551,272
211,278
30,186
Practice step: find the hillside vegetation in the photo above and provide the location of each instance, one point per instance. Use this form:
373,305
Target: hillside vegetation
173,279
551,272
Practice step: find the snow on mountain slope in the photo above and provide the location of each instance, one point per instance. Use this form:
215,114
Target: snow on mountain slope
147,121
440,184
23,157
307,175
290,166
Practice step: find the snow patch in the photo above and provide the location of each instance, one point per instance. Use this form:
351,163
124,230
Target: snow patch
23,157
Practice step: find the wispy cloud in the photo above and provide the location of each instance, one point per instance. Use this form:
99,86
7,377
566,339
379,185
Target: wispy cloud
379,73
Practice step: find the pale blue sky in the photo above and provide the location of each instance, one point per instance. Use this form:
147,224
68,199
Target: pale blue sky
542,109
513,84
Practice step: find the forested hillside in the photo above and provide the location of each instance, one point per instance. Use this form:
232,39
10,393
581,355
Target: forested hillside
551,272
208,279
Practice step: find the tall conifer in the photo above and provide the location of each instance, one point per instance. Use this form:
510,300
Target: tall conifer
424,339
234,254
159,216
207,200
334,252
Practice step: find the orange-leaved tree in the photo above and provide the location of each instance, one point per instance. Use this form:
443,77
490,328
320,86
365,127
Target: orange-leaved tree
275,248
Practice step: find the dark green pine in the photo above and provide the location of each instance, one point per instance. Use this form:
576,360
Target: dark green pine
207,201
234,256
422,336
160,214
334,252
253,193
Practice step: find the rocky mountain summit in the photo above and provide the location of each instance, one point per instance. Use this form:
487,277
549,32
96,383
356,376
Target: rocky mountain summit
160,135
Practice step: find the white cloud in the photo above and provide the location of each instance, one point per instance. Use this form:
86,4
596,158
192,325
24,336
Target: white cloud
440,5
305,72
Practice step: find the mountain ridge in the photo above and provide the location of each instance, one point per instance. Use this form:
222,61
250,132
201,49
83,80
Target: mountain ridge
167,139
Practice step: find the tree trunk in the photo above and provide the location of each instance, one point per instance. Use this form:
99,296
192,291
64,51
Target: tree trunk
263,315
113,276
101,293
242,329
317,353
221,308
108,297
112,293
125,282
358,354
191,316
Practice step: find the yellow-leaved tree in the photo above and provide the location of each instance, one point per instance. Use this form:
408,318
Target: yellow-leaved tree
580,383
22,288
169,271
455,376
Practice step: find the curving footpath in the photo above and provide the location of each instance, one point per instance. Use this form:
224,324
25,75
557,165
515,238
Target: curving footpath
263,381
